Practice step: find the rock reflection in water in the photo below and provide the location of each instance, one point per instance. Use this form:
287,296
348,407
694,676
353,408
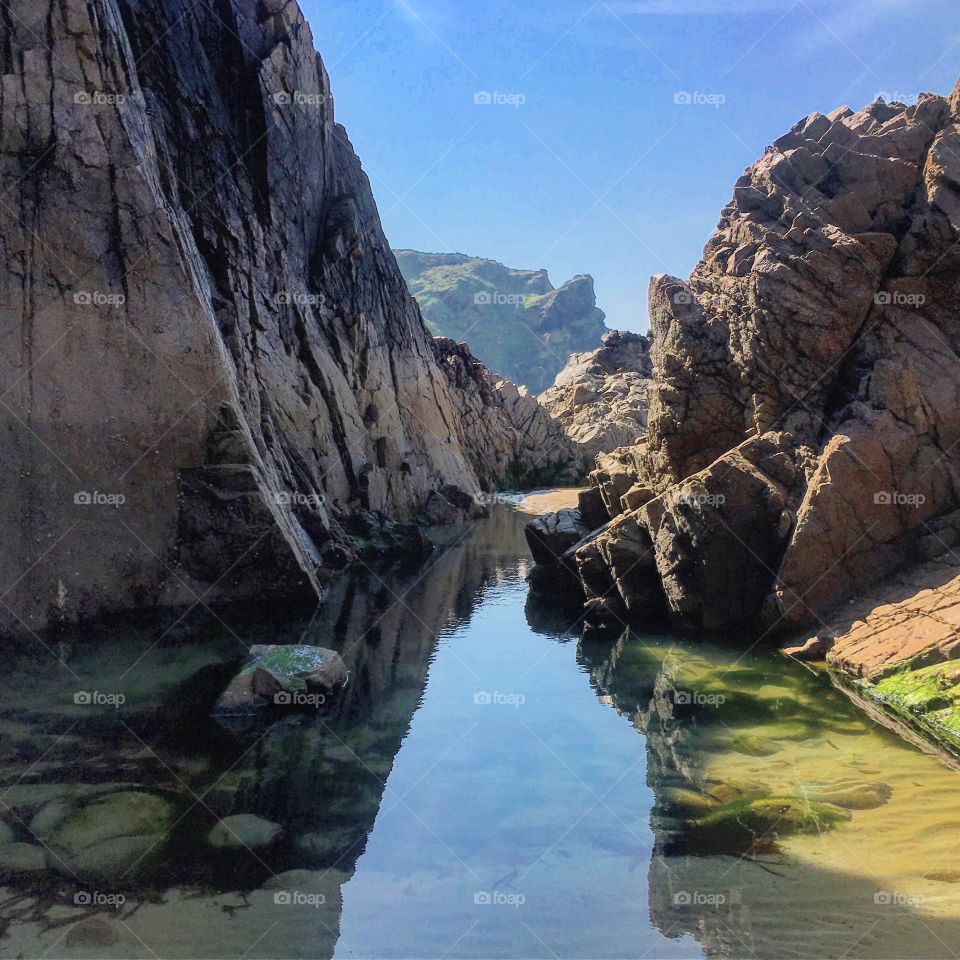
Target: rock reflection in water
140,727
781,816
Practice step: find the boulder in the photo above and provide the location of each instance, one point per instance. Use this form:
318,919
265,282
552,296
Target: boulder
552,535
111,836
282,677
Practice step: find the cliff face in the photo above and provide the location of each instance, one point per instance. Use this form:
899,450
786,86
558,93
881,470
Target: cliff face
209,357
600,397
515,320
803,436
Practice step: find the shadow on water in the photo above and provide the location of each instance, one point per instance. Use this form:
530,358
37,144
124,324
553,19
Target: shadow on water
402,799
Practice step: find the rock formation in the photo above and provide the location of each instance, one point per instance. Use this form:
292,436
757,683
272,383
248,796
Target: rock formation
210,359
600,397
510,439
513,319
803,438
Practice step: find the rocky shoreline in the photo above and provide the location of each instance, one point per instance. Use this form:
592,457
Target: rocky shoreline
798,478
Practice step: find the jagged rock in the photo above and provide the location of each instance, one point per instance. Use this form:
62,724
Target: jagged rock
601,397
552,535
211,358
511,440
521,326
808,374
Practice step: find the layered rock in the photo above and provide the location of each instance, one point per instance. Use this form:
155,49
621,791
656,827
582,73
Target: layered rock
600,397
803,433
514,319
209,356
510,439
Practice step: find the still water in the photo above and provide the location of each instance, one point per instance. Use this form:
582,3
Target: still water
487,785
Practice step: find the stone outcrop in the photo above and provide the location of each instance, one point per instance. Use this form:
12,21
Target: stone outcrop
210,360
600,397
510,439
803,437
513,319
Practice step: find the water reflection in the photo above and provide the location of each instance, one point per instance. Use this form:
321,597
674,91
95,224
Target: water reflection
471,793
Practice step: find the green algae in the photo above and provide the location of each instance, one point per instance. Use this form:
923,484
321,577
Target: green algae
750,822
926,697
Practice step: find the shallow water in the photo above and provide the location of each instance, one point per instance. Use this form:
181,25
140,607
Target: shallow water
487,785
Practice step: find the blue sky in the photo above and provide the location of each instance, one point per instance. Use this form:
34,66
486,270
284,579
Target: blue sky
583,162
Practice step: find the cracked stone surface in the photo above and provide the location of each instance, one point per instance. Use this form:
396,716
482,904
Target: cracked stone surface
803,427
205,337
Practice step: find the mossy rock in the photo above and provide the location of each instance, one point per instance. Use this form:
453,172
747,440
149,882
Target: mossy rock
752,822
686,804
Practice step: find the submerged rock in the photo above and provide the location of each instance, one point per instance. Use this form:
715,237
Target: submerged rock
752,822
282,677
22,858
111,836
244,831
848,794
